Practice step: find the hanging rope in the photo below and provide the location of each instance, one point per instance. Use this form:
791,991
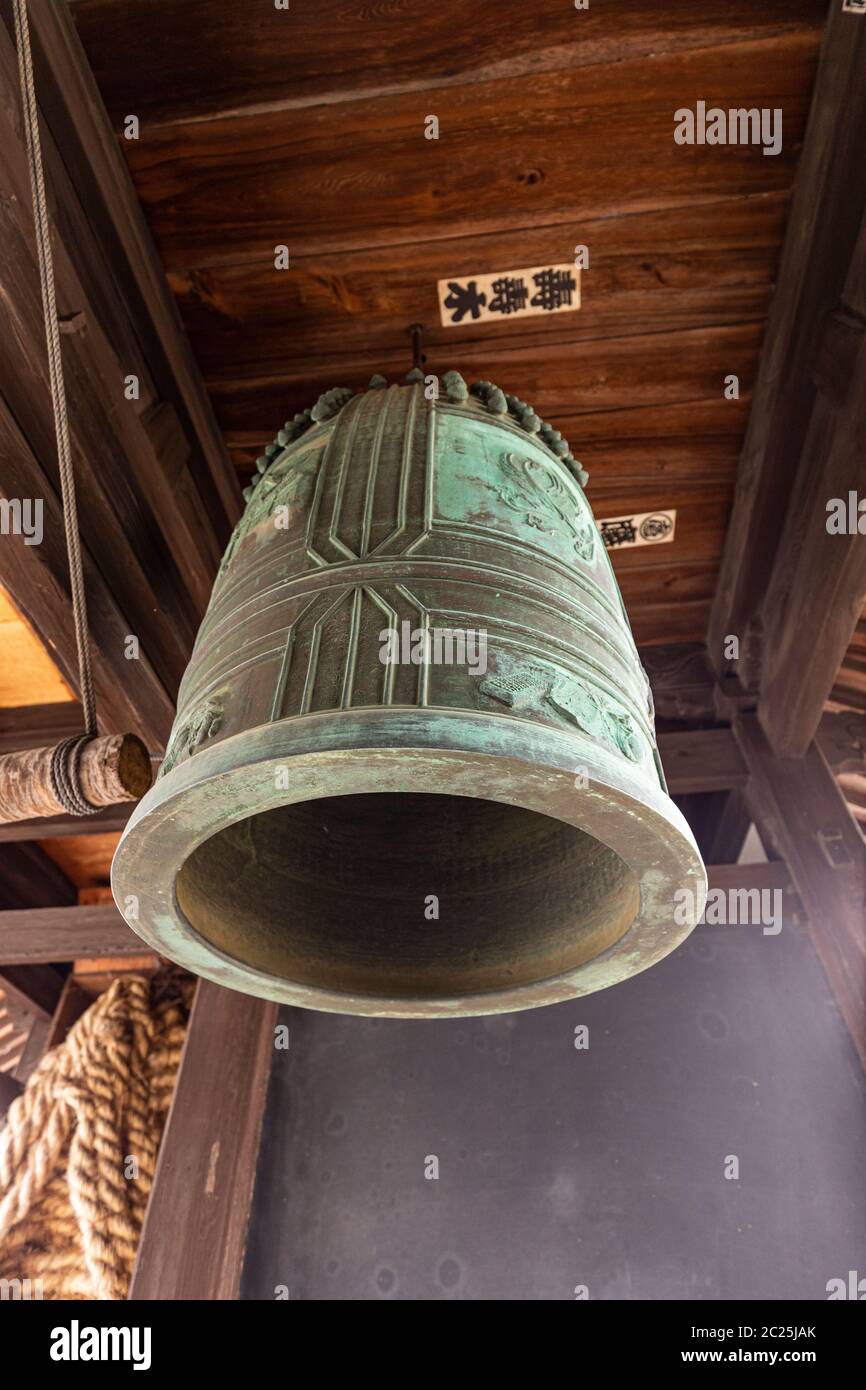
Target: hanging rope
78,1151
58,392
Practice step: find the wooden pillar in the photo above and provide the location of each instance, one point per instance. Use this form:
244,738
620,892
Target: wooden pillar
801,814
194,1236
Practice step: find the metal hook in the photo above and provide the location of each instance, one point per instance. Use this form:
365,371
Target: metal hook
419,356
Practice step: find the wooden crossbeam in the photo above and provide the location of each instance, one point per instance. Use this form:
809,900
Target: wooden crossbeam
701,760
37,726
32,936
789,591
110,818
207,1159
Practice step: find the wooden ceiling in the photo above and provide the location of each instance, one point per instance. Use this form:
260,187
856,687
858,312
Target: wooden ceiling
305,127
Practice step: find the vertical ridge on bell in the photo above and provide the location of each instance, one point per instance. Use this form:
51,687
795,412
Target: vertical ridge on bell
381,415
341,533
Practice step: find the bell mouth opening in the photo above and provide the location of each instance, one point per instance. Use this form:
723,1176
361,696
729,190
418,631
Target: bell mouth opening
407,895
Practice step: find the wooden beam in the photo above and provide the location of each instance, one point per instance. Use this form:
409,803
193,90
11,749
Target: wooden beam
207,1161
801,815
36,988
787,590
156,490
37,578
702,760
681,679
818,586
111,818
43,935
37,726
30,878
82,131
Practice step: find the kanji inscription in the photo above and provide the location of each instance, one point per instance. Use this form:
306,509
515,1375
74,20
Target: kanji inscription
548,289
641,528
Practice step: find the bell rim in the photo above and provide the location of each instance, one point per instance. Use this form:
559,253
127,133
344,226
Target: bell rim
377,749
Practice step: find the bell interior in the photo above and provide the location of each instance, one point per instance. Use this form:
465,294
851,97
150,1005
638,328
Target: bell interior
407,894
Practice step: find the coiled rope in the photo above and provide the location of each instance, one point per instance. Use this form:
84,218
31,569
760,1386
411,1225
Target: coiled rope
78,1150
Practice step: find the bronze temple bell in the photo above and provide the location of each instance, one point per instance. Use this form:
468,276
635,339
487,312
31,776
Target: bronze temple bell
413,770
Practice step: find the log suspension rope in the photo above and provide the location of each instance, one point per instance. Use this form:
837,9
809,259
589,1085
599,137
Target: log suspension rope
55,368
82,773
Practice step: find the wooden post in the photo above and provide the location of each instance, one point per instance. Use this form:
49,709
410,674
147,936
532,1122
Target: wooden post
801,813
194,1235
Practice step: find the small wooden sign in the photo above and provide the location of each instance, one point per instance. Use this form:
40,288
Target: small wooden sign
506,294
641,528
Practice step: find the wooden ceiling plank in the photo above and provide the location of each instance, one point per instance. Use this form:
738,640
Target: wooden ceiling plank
231,189
567,381
826,215
651,271
335,50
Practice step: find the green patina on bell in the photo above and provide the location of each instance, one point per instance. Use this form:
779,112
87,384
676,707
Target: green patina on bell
413,770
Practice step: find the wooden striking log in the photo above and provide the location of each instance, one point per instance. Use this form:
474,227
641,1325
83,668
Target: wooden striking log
111,769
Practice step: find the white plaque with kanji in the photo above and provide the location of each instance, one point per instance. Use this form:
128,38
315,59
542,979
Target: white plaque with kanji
505,294
641,528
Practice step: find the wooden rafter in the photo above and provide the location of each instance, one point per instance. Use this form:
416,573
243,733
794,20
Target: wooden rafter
789,591
156,492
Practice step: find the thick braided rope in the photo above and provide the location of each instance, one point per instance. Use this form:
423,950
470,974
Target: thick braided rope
78,1151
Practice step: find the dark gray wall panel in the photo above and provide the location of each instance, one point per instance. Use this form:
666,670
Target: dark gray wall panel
560,1167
